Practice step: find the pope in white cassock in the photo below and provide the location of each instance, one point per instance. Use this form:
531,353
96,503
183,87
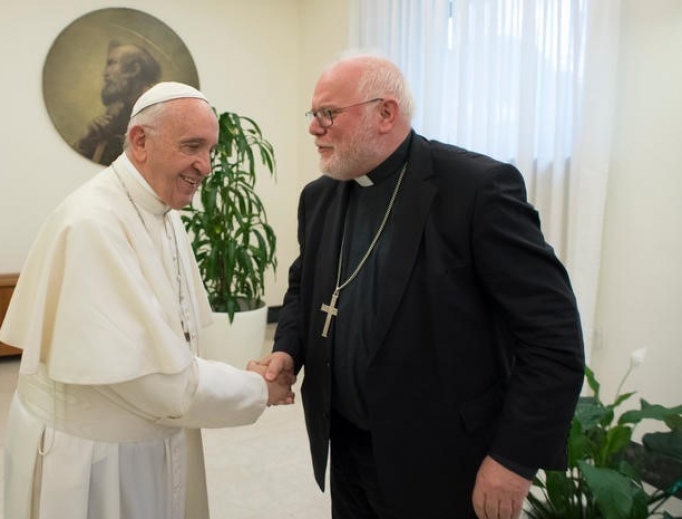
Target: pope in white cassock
109,307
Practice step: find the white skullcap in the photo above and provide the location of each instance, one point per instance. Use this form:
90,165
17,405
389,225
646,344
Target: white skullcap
165,91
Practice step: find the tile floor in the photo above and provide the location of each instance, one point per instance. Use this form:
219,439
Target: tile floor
261,471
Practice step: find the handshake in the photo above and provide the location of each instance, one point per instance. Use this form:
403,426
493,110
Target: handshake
278,371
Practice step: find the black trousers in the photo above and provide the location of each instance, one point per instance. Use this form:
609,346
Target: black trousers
355,491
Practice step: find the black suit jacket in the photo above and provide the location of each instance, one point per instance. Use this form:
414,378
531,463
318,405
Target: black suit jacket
477,346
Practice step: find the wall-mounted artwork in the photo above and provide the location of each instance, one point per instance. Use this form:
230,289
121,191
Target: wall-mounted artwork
97,68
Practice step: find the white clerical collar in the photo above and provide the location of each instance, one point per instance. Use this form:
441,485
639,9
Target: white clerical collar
364,181
130,167
150,200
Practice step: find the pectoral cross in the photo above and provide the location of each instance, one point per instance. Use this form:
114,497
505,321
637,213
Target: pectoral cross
331,311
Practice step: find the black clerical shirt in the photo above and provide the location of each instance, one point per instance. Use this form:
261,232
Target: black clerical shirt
357,305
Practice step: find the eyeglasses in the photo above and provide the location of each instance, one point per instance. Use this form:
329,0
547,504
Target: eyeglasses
325,118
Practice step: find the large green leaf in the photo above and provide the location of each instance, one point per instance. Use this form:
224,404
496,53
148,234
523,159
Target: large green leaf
591,413
616,496
650,411
617,439
667,443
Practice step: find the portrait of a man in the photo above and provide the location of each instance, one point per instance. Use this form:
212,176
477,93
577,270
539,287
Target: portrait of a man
97,68
129,71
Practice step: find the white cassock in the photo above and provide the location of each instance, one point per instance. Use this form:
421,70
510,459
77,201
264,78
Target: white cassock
105,422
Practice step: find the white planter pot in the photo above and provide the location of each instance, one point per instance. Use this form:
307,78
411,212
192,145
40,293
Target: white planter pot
238,342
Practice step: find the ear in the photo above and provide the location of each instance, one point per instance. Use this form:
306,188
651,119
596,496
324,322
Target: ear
388,113
137,142
133,69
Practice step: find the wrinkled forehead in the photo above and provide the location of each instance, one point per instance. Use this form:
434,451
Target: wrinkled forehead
188,116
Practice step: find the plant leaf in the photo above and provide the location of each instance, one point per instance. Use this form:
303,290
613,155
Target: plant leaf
667,443
231,237
650,411
616,496
592,382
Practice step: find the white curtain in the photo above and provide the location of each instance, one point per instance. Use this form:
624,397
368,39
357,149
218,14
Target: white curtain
530,82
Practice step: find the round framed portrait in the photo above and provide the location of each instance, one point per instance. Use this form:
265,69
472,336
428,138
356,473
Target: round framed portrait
97,68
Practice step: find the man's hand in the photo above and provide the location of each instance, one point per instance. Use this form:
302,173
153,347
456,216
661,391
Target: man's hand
278,371
499,493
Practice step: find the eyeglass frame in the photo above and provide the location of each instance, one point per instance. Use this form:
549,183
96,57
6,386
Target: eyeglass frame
330,113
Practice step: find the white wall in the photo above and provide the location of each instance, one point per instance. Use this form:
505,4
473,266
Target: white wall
640,289
255,57
323,35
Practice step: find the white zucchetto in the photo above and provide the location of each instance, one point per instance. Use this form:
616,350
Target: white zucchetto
165,91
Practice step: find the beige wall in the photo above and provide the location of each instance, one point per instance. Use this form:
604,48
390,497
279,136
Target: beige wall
640,291
324,33
640,288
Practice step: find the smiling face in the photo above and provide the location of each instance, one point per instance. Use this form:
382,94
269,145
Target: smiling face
173,153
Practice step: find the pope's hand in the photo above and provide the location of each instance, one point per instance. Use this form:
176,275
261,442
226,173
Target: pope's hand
278,371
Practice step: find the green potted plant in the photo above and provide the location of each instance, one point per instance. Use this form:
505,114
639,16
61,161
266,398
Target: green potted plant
232,240
604,479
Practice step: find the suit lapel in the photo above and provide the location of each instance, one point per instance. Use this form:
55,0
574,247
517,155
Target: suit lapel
410,212
328,256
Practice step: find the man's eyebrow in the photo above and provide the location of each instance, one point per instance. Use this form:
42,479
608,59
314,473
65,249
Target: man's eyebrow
193,140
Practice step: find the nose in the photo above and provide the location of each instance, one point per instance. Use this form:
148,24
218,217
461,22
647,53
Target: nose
203,164
315,128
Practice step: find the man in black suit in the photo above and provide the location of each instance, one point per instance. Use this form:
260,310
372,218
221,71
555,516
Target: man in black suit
439,333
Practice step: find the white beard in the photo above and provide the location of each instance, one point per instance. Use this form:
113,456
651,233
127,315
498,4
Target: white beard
350,159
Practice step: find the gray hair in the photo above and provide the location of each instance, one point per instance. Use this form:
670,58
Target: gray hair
380,78
147,118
